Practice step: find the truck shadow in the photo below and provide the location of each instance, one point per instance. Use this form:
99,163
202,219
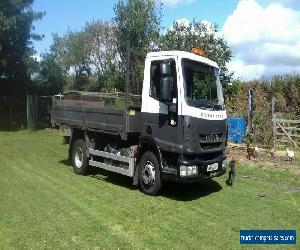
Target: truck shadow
174,191
190,191
113,178
104,175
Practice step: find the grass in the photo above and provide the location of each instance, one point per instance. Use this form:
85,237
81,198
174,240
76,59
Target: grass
43,204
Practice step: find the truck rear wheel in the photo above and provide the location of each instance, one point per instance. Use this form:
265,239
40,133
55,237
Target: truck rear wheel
149,174
79,157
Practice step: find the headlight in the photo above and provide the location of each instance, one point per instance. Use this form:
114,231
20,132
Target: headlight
224,163
195,170
182,171
188,171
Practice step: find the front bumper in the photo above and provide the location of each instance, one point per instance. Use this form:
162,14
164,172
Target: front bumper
173,174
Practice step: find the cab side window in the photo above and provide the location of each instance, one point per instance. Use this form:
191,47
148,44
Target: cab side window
155,76
155,79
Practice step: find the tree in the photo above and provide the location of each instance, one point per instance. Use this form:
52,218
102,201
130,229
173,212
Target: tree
16,35
185,36
70,52
102,53
89,57
48,76
137,21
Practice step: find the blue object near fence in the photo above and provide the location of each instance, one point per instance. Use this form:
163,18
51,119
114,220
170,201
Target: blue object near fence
236,129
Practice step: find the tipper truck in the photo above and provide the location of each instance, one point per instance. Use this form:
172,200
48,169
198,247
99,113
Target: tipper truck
178,132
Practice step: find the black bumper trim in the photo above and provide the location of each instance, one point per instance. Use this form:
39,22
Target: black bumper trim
219,159
174,177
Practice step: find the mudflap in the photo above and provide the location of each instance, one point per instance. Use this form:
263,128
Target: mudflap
135,180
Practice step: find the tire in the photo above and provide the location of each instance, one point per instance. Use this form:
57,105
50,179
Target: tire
79,157
149,174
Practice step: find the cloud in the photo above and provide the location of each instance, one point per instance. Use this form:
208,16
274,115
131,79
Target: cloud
173,3
246,71
265,40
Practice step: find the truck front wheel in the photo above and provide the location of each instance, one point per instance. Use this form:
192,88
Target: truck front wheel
149,174
79,157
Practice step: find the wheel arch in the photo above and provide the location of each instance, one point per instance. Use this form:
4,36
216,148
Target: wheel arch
149,144
146,144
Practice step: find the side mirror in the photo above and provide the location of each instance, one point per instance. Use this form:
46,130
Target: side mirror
166,82
223,80
165,68
166,85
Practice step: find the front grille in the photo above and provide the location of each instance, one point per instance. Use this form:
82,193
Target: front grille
210,141
211,138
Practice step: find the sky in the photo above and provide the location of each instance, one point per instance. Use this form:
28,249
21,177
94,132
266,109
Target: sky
264,35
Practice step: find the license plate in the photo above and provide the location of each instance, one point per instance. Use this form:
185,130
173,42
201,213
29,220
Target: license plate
212,167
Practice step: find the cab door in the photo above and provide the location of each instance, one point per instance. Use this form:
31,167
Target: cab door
160,120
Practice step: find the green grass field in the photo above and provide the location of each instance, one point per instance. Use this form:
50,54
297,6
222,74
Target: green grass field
43,204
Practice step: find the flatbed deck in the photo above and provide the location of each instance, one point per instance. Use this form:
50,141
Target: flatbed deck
89,113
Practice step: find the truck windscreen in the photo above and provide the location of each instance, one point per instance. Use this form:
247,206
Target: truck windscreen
202,85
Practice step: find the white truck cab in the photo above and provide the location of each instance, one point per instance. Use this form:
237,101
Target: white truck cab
151,102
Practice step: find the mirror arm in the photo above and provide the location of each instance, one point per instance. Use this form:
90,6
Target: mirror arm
172,108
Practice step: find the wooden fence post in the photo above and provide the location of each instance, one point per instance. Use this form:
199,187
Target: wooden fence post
31,112
29,125
35,117
274,123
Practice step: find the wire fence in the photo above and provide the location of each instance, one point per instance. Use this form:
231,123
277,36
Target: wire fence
12,112
31,111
